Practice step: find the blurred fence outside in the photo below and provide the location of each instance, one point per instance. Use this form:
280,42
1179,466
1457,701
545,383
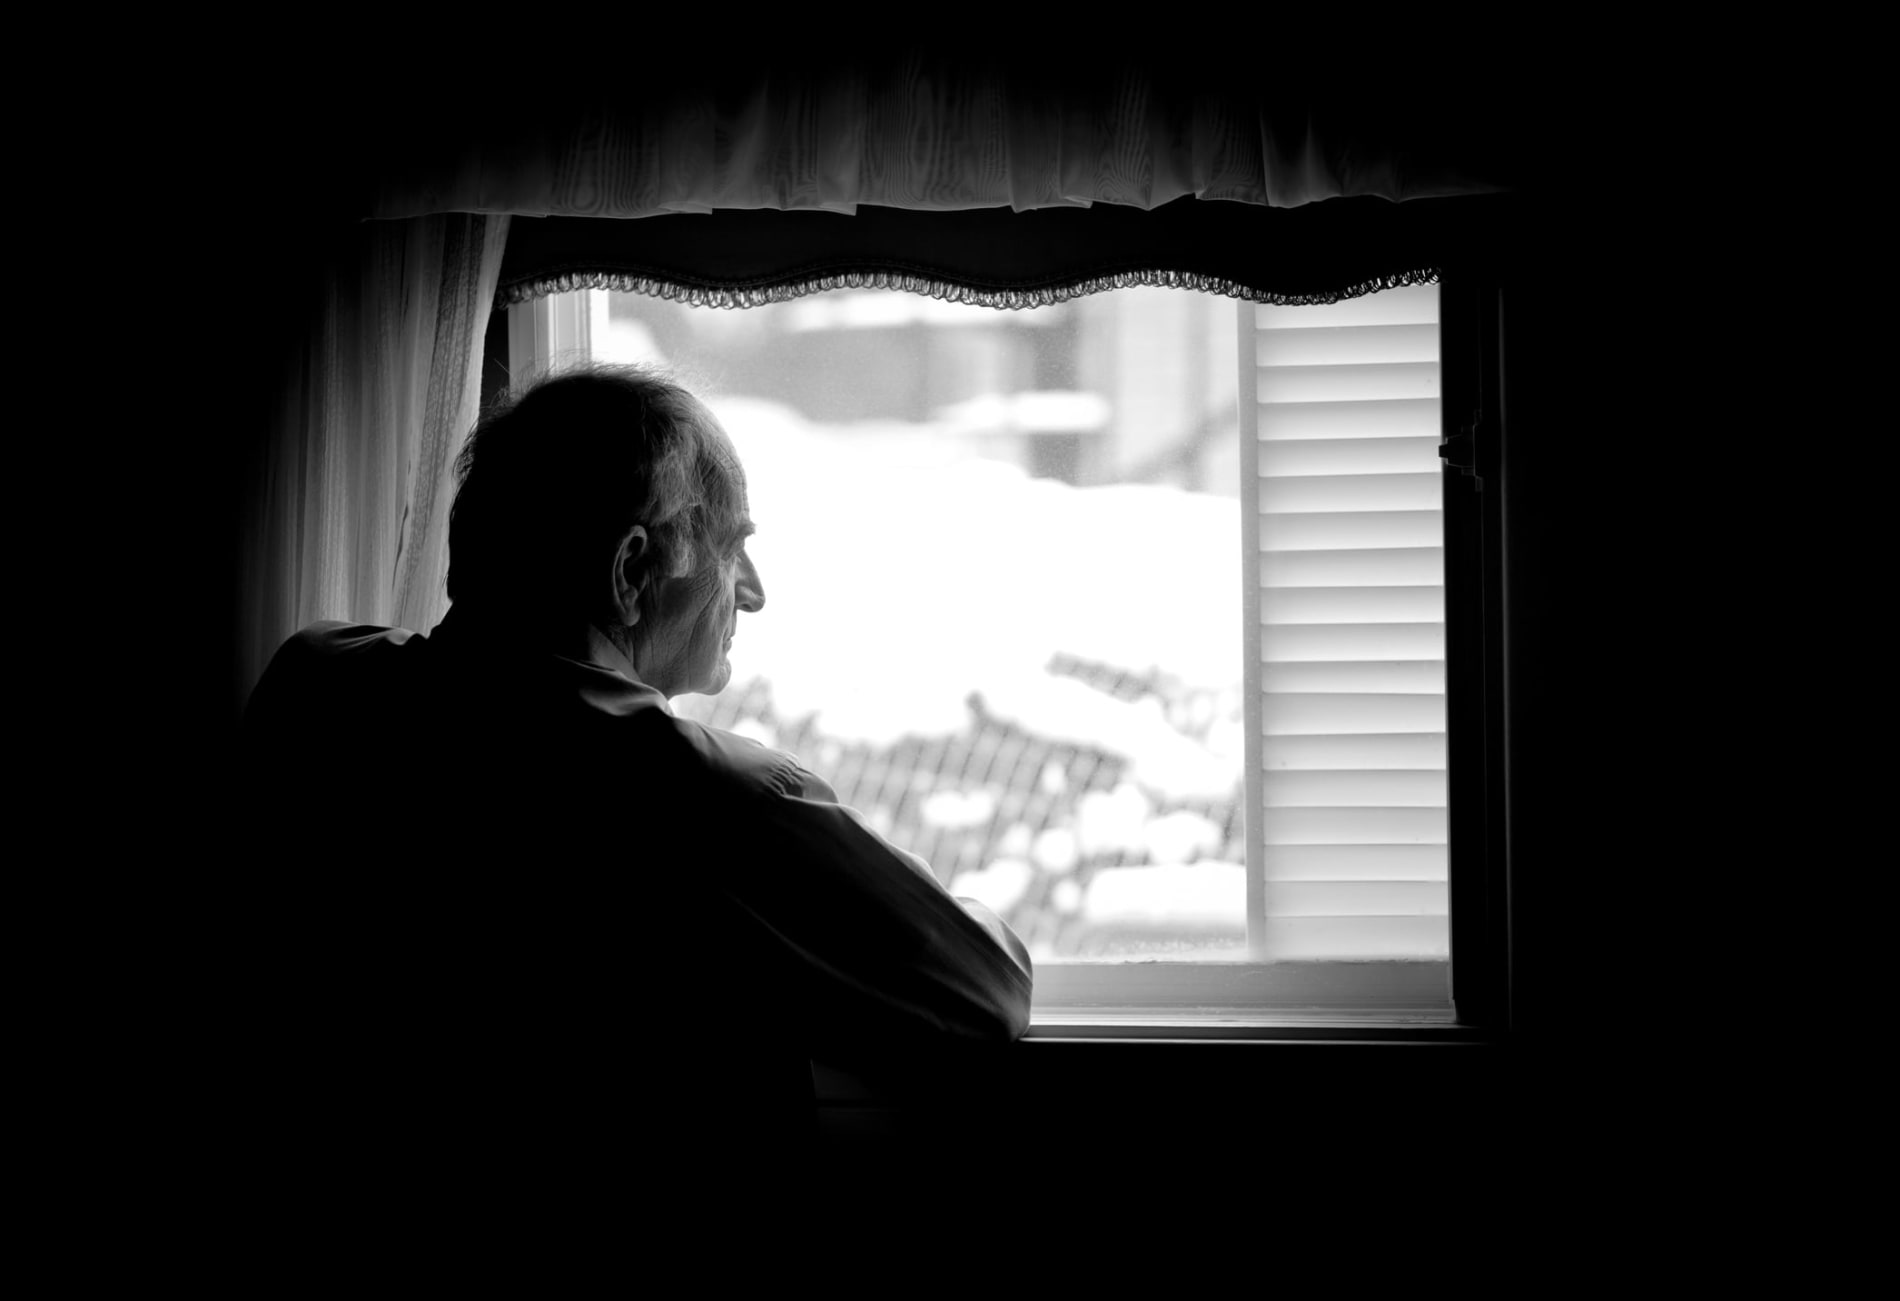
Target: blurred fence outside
1034,686
999,618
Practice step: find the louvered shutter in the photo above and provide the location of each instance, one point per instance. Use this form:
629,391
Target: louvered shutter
1347,699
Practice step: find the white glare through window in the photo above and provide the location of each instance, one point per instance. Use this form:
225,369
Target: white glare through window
1000,553
1022,615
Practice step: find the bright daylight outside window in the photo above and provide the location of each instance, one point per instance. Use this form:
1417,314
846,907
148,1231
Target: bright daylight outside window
1141,647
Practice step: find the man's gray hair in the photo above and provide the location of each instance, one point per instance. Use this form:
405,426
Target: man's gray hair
553,477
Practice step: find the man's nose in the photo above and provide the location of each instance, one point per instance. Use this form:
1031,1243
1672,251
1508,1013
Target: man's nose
751,590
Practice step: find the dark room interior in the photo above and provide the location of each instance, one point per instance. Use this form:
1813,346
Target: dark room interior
1537,1076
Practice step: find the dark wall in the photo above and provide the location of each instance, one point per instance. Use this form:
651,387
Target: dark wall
1570,583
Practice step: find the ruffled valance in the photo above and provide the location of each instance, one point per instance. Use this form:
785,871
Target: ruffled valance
928,132
949,291
998,258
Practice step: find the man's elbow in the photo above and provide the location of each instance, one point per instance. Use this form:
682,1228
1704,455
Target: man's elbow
1015,981
1015,1021
1000,1015
985,1004
1013,988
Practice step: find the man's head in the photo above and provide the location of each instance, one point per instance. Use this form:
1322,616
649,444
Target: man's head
608,496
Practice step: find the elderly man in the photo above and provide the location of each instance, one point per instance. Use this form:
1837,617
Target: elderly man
517,881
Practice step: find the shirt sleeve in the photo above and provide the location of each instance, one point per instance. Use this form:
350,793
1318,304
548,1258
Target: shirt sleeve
894,964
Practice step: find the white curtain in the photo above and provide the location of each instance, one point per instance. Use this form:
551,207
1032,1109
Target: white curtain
929,132
349,520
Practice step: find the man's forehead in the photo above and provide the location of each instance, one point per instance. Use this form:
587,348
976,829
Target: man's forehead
720,445
738,524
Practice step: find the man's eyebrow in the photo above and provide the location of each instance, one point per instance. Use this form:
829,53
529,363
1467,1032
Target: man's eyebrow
735,536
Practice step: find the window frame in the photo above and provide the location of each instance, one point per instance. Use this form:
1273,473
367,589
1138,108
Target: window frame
1306,1001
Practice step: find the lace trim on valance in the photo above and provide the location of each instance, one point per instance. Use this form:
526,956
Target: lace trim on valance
1012,299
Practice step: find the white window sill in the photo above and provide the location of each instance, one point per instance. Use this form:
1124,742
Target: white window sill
1144,1006
1406,991
1383,1024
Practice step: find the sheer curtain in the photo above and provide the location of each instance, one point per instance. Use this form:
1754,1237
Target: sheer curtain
350,515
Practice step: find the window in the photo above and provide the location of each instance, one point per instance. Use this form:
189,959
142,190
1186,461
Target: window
1126,613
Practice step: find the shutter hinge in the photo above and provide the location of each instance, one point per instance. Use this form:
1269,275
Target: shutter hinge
1460,451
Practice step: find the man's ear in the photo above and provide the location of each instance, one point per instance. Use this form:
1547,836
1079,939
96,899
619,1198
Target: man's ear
633,569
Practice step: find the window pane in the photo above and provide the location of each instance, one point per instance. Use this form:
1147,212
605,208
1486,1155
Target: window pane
1001,554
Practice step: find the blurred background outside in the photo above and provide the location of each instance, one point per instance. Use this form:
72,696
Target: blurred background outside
1001,557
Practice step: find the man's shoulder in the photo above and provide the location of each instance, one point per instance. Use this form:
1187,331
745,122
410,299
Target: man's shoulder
335,636
324,657
333,640
745,763
628,720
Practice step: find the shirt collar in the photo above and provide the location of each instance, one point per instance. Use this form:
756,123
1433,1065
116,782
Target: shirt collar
466,632
603,652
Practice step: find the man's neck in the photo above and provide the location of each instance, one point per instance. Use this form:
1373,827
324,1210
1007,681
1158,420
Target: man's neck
571,640
594,645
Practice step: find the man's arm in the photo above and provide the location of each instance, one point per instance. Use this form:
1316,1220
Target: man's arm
896,967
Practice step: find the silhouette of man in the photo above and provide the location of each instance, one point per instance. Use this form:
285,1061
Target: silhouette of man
505,894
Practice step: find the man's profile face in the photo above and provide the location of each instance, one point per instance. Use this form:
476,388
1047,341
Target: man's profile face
693,617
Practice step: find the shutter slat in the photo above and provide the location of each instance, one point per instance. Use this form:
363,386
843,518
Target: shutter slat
1368,826
1333,493
1353,605
1353,641
1356,899
1424,677
1346,345
1371,530
1393,750
1371,567
1307,456
1357,863
1361,788
1346,421
1345,383
1339,714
